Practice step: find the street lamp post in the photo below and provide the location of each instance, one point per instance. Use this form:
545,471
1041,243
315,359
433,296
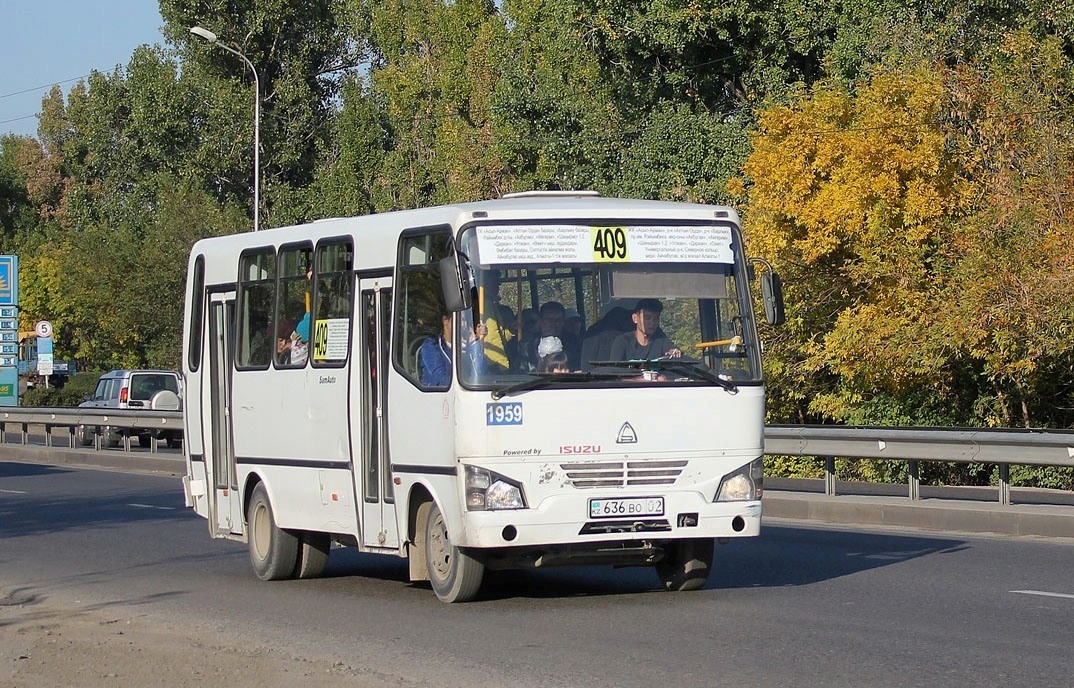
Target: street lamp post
211,37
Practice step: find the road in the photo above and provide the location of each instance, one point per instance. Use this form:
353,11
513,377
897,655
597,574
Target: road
801,605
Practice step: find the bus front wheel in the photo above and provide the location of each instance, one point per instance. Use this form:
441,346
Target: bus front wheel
273,550
454,573
686,564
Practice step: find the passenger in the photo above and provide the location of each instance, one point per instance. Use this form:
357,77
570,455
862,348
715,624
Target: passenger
572,323
597,345
647,341
550,324
500,342
552,357
300,341
528,325
434,356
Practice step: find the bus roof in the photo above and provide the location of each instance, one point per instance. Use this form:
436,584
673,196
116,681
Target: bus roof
380,231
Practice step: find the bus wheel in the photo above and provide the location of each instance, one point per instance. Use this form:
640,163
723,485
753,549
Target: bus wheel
686,564
312,554
273,551
454,573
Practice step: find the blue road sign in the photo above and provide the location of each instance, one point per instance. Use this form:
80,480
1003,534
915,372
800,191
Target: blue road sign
9,280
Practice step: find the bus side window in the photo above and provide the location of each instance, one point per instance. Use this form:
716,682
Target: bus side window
333,297
293,327
257,292
420,299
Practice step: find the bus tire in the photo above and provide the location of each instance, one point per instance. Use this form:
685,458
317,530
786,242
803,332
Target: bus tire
454,573
686,564
312,554
273,551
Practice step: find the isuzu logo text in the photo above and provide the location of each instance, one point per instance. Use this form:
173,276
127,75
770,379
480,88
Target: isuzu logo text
579,449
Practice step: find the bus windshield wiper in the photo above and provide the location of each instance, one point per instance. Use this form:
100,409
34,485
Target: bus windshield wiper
685,365
551,379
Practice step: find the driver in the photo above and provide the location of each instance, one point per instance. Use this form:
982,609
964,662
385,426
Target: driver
646,341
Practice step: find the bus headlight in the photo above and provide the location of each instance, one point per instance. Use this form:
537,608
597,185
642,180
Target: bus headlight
744,484
489,491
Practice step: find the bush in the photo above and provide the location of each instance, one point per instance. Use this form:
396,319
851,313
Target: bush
70,395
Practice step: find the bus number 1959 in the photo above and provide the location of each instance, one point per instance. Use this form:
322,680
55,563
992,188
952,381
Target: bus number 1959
503,414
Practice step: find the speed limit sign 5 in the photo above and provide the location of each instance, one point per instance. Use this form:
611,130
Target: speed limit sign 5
43,328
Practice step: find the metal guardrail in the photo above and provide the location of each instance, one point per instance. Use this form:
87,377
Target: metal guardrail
124,421
1002,447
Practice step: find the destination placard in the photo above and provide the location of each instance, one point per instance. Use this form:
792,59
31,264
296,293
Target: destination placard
500,244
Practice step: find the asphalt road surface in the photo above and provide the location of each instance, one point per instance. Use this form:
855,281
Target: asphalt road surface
801,605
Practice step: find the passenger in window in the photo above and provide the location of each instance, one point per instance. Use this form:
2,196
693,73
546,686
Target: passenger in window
434,356
528,324
552,357
300,341
597,345
572,323
647,341
550,324
500,343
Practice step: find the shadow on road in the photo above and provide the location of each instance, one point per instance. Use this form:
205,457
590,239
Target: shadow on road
781,556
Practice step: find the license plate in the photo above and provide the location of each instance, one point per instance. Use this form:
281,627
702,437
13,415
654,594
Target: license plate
626,507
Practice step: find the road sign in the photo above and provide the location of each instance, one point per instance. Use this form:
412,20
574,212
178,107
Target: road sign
9,350
44,363
9,280
9,312
9,386
43,328
9,361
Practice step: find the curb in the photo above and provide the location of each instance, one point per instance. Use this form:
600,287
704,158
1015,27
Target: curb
942,515
110,459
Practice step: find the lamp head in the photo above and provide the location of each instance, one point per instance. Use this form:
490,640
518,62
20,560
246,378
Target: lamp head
204,33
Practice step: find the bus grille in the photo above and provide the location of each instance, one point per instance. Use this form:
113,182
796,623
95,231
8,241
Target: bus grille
622,473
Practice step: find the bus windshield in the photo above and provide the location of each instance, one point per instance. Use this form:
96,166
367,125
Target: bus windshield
557,305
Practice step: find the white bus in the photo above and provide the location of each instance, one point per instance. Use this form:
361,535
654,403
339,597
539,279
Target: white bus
381,382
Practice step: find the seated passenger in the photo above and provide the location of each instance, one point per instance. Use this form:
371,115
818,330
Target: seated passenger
597,345
552,357
434,356
550,324
647,341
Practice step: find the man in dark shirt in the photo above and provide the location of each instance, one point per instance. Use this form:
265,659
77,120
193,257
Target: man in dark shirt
647,341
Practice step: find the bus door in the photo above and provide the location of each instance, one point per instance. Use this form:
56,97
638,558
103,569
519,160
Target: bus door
370,433
225,509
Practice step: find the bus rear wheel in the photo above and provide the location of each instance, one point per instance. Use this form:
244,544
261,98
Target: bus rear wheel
454,573
273,550
686,564
312,554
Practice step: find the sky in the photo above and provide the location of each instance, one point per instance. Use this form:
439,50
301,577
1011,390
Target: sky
43,42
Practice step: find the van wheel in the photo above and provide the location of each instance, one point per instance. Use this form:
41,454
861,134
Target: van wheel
454,573
312,554
686,564
145,441
175,442
85,436
273,551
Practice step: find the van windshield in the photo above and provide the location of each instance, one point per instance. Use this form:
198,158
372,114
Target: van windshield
610,304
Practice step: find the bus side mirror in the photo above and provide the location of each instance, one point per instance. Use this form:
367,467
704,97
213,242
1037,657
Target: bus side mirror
455,282
772,297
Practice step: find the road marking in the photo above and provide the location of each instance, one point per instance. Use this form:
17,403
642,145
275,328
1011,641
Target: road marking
1042,593
14,491
151,506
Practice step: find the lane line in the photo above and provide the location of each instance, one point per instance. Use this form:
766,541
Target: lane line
14,491
152,506
1043,593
